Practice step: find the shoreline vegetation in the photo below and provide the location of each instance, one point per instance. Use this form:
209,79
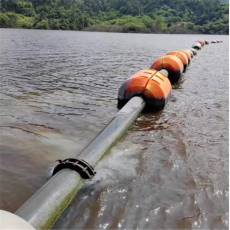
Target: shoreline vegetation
133,29
122,16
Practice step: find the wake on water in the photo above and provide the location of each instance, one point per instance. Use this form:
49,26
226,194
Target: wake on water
118,167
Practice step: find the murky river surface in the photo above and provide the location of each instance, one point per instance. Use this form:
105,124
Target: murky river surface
59,89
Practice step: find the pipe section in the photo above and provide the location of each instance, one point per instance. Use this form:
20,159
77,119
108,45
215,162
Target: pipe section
46,205
113,131
165,72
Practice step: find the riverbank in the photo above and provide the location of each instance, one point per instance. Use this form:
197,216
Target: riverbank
177,17
177,29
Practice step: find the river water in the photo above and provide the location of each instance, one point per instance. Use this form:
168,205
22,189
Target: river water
59,89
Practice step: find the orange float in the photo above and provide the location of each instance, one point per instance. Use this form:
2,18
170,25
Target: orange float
187,54
201,41
191,53
172,64
153,86
182,57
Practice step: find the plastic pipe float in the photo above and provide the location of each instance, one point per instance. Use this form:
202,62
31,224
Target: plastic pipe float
187,55
201,41
216,41
197,46
172,64
182,57
147,88
152,85
190,52
194,51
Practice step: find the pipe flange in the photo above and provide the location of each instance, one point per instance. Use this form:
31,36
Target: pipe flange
85,170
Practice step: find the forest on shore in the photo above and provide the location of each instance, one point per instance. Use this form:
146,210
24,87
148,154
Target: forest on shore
145,16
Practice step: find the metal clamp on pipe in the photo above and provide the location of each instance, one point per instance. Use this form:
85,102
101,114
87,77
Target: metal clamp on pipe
85,170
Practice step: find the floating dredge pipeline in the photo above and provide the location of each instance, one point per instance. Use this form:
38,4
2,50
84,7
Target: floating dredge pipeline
148,88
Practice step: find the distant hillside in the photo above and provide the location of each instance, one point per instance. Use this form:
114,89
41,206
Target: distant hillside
149,16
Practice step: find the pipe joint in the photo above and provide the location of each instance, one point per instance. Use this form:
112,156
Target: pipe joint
85,170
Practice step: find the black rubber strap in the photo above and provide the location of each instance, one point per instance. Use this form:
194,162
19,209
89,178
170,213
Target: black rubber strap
85,170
